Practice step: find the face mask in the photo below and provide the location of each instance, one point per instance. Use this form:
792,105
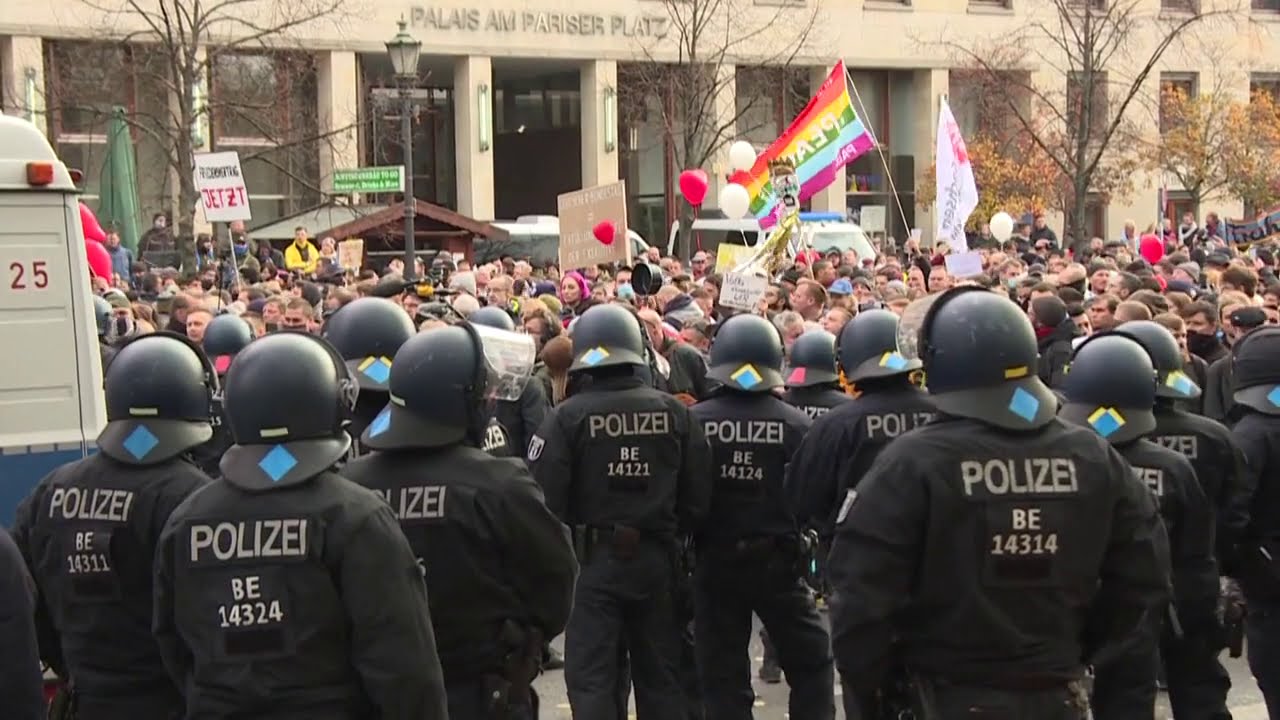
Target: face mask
272,327
1201,344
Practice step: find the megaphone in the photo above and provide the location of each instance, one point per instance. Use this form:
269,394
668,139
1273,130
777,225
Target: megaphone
646,278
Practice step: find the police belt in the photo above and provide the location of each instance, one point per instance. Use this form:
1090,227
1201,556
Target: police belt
623,540
1032,682
755,545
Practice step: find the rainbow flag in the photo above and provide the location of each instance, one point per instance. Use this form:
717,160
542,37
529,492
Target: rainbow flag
824,137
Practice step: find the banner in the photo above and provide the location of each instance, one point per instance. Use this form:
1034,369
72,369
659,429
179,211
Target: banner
824,137
1244,232
957,192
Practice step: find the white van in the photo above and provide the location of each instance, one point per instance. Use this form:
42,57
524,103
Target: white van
821,231
51,401
536,237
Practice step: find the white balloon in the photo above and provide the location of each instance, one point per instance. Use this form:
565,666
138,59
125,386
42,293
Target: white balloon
1001,226
734,201
741,155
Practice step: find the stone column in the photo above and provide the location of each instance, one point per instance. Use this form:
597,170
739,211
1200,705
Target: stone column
599,88
472,86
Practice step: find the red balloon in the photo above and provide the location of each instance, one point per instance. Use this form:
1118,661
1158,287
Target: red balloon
99,260
89,223
693,185
605,232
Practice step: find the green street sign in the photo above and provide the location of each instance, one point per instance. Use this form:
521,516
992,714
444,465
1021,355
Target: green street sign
369,180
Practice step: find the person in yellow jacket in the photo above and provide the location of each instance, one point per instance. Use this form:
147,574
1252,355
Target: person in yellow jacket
302,256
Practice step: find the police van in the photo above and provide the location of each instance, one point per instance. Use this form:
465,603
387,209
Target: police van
51,400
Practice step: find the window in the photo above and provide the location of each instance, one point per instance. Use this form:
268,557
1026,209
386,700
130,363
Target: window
263,106
1091,4
1265,83
1095,215
1177,204
1097,107
991,3
1180,6
1175,90
1270,6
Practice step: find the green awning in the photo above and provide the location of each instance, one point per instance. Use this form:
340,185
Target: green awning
118,185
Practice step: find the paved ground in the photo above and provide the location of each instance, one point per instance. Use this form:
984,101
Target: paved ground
771,700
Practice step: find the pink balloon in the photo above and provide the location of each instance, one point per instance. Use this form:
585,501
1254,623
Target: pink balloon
605,232
99,260
693,185
92,228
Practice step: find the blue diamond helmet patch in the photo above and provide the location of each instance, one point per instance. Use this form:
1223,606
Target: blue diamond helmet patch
747,377
277,463
893,361
380,423
1024,405
1106,421
1273,397
140,442
594,356
377,369
1180,383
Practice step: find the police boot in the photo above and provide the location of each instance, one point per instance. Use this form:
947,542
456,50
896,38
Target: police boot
770,671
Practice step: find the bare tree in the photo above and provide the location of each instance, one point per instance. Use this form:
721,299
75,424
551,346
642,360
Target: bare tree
186,51
1100,54
688,73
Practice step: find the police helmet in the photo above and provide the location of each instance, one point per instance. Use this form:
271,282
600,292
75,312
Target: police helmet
1111,387
979,355
868,347
813,360
1171,381
746,354
367,332
494,317
287,398
438,385
102,315
607,336
1255,370
159,390
225,336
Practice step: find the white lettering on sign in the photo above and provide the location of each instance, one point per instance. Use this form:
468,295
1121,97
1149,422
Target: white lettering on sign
634,424
742,290
249,540
29,276
249,606
1020,476
750,432
1152,478
416,503
1188,445
891,425
222,188
73,503
580,24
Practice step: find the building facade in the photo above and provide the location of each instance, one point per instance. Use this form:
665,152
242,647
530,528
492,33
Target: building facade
516,101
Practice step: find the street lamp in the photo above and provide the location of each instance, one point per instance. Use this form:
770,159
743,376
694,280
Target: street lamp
403,49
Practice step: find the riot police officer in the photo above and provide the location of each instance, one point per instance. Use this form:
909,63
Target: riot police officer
627,467
499,565
1207,443
842,444
1112,389
367,332
225,336
20,683
284,590
1254,552
751,555
518,419
102,318
90,529
995,547
813,382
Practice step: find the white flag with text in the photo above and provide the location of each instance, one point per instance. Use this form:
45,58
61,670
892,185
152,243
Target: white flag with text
957,192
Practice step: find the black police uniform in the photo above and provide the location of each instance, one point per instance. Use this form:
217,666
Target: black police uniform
367,332
1112,389
841,446
20,683
627,467
1208,444
89,530
225,336
750,553
813,383
1256,550
284,590
519,419
500,566
994,548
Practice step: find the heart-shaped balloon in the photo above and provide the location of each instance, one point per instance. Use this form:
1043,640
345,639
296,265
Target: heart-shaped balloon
89,223
605,231
693,185
99,260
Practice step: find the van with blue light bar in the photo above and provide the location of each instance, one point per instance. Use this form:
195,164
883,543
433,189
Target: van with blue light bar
823,231
51,400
